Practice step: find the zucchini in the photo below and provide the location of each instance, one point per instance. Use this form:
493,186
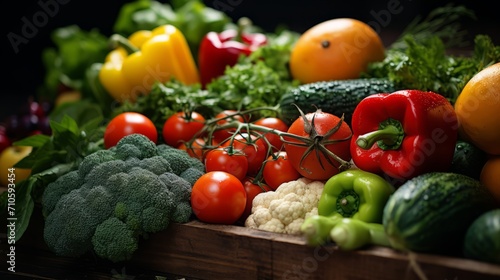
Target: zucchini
468,159
431,212
482,239
336,97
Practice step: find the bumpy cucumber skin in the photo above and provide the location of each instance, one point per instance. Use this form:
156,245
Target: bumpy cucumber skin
431,212
336,97
482,239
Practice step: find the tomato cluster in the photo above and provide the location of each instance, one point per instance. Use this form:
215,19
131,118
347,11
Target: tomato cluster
242,157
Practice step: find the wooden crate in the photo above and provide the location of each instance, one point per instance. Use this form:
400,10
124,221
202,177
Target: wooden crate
230,252
202,251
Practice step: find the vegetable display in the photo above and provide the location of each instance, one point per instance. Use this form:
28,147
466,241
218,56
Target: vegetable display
404,134
181,117
118,195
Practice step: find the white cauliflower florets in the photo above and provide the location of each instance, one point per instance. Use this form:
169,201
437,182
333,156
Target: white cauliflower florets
285,209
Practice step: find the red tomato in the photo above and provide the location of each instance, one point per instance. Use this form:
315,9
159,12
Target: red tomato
278,170
276,124
316,165
222,159
220,135
128,123
218,197
254,149
197,149
181,127
252,189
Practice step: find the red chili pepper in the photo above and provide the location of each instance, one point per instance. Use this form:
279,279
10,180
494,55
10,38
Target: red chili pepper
404,134
219,50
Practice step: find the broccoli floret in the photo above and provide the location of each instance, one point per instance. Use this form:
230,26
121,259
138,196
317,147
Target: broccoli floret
70,181
90,161
112,200
192,174
179,159
181,190
101,172
182,213
140,147
70,226
157,164
114,241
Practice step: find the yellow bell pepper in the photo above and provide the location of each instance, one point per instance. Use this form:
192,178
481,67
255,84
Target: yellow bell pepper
145,58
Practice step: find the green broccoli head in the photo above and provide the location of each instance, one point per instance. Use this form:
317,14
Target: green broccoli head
113,240
113,198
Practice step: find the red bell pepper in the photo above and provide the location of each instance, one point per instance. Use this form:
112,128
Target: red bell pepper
219,50
404,134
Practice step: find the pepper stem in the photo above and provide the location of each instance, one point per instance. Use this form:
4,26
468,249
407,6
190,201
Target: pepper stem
118,40
243,24
389,136
347,203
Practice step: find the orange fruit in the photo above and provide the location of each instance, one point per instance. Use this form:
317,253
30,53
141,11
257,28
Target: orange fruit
478,110
490,176
335,49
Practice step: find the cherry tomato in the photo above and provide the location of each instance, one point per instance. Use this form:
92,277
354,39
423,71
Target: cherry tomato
315,164
218,197
220,135
128,123
196,149
278,170
276,124
229,160
252,189
253,147
182,127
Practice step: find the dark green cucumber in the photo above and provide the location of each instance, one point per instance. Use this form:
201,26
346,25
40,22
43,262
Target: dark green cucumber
431,212
482,240
338,97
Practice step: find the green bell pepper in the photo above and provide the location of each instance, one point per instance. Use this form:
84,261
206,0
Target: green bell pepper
354,194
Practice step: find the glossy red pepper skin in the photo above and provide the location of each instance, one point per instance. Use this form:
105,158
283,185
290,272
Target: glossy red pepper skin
427,138
219,50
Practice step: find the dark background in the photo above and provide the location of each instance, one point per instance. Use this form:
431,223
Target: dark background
25,71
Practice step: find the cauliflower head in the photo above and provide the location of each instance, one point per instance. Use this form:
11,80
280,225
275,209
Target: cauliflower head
285,209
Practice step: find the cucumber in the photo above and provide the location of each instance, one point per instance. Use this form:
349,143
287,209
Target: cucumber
468,159
482,239
431,212
336,97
